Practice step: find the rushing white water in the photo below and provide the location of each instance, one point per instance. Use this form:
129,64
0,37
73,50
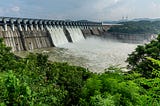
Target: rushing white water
75,33
99,53
93,53
57,35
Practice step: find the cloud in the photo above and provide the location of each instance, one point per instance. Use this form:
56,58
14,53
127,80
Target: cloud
15,9
116,1
97,10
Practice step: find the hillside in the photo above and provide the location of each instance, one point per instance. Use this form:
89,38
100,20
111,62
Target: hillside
137,27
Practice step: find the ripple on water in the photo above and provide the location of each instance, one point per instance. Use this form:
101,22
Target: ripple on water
93,53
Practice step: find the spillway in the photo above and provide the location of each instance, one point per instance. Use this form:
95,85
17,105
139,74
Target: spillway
28,34
75,33
57,35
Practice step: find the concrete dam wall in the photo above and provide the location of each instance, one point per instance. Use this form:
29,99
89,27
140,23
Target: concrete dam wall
131,38
28,34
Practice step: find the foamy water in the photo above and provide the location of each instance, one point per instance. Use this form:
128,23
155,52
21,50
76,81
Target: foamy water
100,53
93,53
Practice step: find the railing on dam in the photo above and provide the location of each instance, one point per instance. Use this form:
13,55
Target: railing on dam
27,34
41,23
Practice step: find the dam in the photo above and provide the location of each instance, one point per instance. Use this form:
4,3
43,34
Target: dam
24,34
73,42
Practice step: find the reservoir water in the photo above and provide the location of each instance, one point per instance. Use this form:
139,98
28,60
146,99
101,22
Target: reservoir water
93,53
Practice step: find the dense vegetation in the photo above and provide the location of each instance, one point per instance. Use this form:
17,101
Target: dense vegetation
137,27
34,81
139,62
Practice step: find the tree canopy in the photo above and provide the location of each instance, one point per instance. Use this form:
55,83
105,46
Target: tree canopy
35,81
138,59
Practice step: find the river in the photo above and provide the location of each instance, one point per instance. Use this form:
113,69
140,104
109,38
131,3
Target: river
93,53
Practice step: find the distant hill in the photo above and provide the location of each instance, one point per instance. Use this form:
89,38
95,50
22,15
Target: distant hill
111,22
136,19
145,19
137,27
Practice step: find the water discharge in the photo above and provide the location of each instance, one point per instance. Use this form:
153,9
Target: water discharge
75,33
57,35
96,54
99,54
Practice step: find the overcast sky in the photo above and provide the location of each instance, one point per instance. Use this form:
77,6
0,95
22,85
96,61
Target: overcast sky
95,10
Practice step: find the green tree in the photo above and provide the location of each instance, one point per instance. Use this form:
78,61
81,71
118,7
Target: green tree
69,78
110,89
13,92
136,27
137,59
7,59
